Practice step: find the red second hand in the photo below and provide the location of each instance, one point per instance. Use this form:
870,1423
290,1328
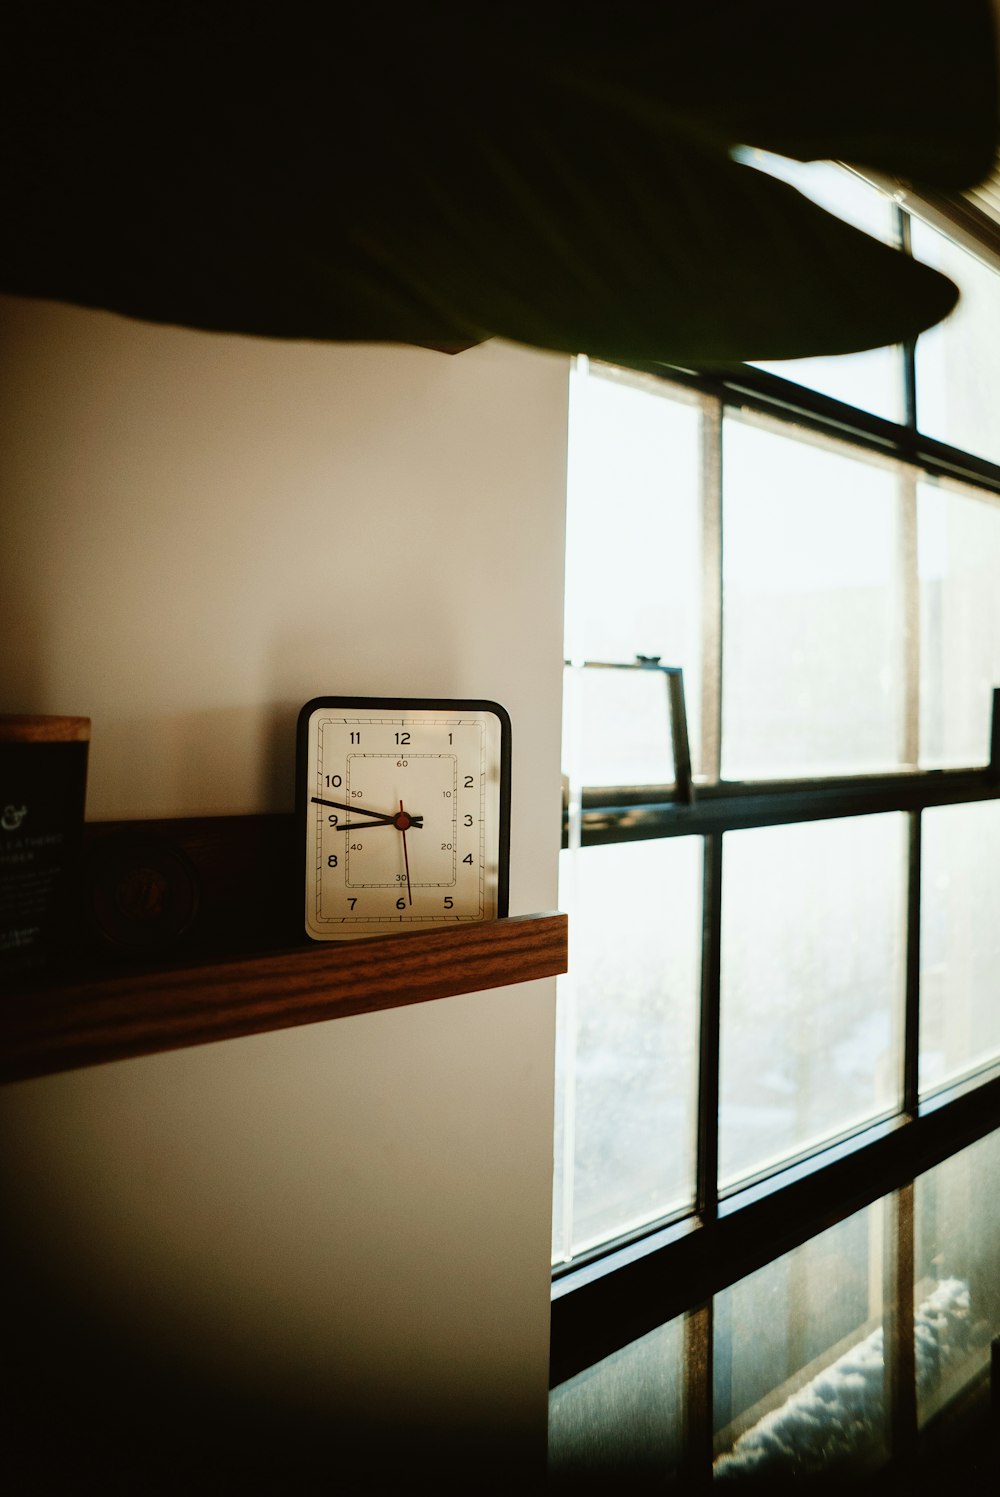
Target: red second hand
406,860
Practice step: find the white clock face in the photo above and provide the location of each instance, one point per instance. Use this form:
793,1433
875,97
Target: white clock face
404,812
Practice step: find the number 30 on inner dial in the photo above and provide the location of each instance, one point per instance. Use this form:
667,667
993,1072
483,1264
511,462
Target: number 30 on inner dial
403,808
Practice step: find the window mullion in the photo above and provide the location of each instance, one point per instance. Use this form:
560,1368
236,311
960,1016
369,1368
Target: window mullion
898,1332
707,1185
698,1400
908,596
710,758
911,1013
909,348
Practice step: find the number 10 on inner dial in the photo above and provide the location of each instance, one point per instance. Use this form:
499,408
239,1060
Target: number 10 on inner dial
404,814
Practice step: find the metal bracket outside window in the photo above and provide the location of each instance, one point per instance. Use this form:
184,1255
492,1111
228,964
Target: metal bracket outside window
680,746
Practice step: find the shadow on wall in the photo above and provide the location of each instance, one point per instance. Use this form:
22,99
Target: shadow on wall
25,637
240,760
88,1408
221,761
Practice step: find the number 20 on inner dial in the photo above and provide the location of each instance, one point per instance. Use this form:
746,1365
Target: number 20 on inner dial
403,809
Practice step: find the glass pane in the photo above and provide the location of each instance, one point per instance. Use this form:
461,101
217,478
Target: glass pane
633,543
959,940
958,362
872,380
616,727
622,1418
813,620
959,555
799,1368
627,1038
957,1273
813,952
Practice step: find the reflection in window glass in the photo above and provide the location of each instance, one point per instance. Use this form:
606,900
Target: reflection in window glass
957,1273
798,1360
627,1032
633,543
622,1418
813,627
959,940
812,984
959,555
872,380
958,361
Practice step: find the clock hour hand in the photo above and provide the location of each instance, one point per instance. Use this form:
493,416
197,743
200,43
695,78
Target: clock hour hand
401,820
393,821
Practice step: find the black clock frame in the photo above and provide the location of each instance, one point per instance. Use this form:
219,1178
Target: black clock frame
391,706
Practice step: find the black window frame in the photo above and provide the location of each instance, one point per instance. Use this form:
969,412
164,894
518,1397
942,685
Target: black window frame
607,1298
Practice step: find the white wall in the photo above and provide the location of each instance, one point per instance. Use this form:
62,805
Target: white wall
199,534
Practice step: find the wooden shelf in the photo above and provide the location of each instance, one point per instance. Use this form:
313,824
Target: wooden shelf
60,1025
190,930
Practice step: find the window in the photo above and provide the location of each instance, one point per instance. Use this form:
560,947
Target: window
812,1356
780,1027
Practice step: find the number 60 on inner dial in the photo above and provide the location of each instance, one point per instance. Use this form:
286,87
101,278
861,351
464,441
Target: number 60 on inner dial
403,812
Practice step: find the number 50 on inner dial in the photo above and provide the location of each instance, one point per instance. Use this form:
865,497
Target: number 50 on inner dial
403,813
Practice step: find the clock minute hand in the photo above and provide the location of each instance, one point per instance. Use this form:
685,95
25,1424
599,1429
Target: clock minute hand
400,821
403,823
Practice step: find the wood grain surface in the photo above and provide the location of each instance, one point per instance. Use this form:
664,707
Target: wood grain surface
79,1021
25,728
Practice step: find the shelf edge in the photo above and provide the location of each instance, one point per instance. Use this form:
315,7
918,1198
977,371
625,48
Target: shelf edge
120,1015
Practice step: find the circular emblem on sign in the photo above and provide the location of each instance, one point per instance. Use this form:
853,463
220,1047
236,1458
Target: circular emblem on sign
143,892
